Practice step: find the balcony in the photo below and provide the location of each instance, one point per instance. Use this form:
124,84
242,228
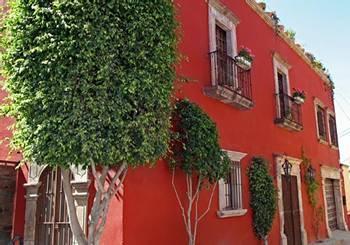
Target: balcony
231,84
289,113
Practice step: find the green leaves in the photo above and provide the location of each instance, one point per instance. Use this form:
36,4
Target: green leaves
90,80
262,197
195,147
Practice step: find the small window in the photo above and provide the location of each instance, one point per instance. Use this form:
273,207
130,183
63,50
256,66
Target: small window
333,131
233,188
321,123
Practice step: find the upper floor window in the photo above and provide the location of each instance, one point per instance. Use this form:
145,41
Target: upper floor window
230,83
333,130
288,112
321,123
230,189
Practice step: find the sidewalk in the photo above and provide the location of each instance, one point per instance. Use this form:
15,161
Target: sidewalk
339,238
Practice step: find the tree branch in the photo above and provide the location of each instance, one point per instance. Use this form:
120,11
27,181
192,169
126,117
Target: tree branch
103,212
209,204
100,186
95,213
189,208
116,177
196,210
121,181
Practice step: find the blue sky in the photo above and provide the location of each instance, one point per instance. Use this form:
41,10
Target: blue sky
322,27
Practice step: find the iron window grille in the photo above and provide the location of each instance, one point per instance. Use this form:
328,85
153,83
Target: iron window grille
233,188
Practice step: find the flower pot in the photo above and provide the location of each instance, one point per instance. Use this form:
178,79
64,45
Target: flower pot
262,5
243,62
299,100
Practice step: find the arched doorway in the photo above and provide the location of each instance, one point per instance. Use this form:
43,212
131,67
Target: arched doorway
52,223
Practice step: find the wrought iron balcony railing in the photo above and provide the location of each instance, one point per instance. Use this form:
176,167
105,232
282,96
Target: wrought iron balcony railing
227,73
289,111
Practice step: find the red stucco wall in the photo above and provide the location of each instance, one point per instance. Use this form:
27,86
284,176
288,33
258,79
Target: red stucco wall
151,213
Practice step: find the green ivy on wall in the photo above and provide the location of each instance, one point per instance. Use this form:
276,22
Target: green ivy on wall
312,184
262,197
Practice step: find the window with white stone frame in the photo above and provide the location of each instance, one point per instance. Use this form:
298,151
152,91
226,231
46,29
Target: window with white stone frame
233,188
321,121
222,35
230,189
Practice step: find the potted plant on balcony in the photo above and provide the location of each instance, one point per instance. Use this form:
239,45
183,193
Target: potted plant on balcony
299,96
245,58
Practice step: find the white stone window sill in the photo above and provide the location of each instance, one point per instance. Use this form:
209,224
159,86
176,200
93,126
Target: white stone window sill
334,147
231,213
322,141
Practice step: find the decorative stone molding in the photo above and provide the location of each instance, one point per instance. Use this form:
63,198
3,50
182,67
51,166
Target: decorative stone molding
231,213
280,60
333,173
30,213
81,194
319,103
224,11
228,96
279,159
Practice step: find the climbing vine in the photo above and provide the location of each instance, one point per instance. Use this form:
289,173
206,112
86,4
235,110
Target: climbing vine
312,184
312,187
262,197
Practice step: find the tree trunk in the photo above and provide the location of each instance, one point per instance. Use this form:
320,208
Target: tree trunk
72,212
266,241
191,223
190,240
100,207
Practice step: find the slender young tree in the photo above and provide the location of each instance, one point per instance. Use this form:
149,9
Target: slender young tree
196,152
89,85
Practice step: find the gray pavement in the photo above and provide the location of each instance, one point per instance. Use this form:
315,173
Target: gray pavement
338,238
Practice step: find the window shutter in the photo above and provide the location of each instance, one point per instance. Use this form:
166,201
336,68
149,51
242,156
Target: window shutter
333,131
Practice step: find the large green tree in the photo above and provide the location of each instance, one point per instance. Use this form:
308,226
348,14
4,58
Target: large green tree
195,152
89,84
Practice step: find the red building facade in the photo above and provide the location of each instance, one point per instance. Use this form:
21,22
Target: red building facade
256,115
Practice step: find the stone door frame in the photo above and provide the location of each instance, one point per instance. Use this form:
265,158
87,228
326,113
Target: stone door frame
80,185
333,173
279,159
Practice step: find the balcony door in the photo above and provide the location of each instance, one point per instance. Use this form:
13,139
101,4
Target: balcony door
283,94
223,68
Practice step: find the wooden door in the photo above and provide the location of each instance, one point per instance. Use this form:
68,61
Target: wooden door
52,226
292,226
331,205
